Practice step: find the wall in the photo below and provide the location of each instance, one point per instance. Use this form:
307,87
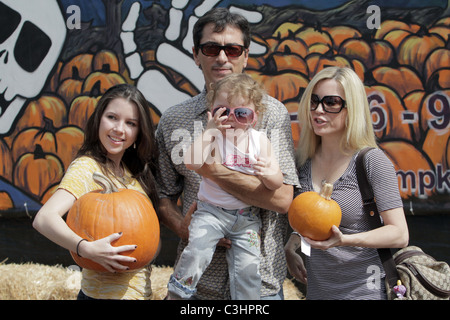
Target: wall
58,57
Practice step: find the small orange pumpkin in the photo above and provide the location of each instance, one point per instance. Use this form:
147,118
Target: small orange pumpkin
100,213
313,214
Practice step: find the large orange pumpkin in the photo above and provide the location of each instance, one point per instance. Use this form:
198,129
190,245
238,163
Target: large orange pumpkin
100,213
313,214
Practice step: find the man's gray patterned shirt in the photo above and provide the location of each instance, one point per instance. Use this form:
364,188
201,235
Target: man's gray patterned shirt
175,130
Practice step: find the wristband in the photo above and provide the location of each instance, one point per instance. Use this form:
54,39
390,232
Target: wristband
78,245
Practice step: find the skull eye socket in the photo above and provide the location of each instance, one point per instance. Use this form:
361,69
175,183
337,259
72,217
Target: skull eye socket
9,20
31,47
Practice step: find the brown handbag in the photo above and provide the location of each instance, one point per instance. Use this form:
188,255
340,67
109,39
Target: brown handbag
421,276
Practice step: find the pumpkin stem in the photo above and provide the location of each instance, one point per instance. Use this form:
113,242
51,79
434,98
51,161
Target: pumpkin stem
433,83
96,89
369,79
291,35
38,152
107,185
326,190
106,68
76,74
48,126
270,66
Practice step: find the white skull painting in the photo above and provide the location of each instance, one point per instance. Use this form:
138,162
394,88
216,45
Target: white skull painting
32,35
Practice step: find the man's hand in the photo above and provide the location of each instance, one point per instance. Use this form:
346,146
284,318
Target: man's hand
224,242
187,221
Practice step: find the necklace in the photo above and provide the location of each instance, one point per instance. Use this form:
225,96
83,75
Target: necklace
121,175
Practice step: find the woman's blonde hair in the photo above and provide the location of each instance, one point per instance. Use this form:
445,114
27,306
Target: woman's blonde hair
239,85
358,129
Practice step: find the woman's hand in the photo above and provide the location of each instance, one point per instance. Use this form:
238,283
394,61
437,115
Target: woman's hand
334,241
102,252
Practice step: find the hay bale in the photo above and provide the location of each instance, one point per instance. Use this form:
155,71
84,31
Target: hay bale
41,282
291,292
38,282
160,278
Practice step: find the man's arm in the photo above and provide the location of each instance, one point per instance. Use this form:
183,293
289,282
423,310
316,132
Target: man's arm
249,188
170,215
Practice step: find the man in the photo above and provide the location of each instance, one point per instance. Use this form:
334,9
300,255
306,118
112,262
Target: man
221,42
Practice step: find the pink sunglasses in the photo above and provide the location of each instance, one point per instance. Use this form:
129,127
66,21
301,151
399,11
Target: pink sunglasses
243,115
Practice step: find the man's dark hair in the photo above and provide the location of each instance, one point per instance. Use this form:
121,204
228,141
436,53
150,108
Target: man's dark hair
221,17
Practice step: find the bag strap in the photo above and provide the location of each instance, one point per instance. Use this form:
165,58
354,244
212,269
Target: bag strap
370,208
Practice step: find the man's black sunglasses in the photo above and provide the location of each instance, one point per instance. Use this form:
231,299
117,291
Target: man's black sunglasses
213,49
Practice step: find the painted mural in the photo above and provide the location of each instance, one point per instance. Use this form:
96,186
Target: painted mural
57,57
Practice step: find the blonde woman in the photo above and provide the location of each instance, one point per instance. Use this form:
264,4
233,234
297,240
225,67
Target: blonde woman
336,124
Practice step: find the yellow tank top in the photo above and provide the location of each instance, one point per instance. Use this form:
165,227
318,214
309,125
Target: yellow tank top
105,285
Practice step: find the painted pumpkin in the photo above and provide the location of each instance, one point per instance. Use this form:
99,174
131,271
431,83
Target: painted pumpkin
410,163
313,214
35,171
6,202
100,213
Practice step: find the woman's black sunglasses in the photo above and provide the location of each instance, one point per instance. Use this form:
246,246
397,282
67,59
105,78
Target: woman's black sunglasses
330,104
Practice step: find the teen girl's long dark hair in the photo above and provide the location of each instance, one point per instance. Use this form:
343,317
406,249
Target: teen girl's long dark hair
140,159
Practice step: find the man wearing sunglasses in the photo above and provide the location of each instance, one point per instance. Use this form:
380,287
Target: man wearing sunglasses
221,45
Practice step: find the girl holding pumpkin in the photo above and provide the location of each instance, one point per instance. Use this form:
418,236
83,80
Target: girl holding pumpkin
336,124
119,142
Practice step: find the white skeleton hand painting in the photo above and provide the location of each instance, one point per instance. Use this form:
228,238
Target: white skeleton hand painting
31,40
153,83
